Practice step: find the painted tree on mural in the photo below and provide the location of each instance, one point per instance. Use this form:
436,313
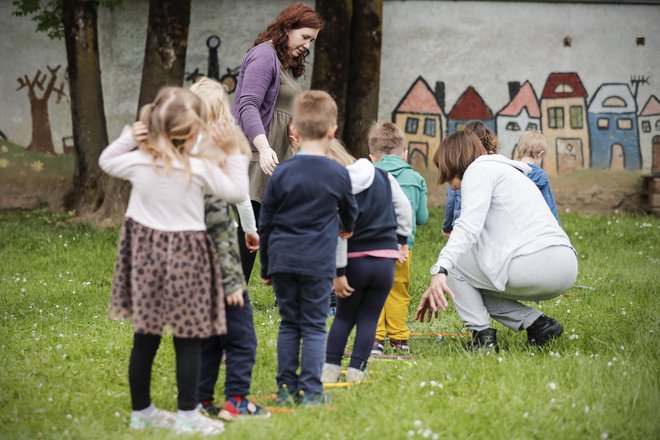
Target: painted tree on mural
347,65
166,46
42,139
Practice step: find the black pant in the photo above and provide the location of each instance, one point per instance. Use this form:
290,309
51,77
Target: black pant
187,370
247,257
240,346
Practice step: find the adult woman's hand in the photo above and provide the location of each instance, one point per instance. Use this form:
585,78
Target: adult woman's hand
434,298
268,160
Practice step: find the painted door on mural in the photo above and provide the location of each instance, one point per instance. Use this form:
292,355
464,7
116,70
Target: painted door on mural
569,155
655,169
617,161
418,155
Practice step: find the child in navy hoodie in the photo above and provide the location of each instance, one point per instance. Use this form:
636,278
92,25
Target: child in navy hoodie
366,272
299,227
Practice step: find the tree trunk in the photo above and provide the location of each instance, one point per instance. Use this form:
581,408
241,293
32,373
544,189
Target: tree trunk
165,51
42,139
364,74
95,196
332,51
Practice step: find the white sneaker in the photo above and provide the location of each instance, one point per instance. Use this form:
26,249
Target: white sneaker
330,373
355,375
197,423
157,418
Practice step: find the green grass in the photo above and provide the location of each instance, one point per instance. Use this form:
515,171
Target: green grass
63,364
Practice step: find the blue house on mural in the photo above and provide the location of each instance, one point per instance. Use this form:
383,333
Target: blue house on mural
612,117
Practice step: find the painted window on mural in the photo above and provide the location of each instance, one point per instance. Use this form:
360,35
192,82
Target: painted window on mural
563,88
603,123
513,126
657,125
411,125
624,124
459,127
646,126
532,126
614,101
429,127
576,116
556,117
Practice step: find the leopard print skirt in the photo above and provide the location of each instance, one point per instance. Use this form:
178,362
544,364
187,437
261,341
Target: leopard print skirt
168,280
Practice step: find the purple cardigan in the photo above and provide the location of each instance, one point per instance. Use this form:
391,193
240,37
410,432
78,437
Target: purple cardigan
257,90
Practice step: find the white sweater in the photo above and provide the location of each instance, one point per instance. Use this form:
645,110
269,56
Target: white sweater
503,216
167,201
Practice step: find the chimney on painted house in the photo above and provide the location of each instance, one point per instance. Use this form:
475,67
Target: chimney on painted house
514,88
440,94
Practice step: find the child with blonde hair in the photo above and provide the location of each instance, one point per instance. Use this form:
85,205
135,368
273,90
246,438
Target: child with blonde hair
531,149
365,266
387,150
166,274
239,345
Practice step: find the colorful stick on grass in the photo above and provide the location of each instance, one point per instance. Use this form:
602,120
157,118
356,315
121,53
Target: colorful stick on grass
441,334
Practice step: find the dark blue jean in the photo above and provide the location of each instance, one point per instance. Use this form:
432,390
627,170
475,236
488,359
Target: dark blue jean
303,304
240,346
372,280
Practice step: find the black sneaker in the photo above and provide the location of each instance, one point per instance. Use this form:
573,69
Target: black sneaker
484,341
543,330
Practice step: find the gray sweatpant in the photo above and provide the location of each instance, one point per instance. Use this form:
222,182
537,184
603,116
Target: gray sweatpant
535,277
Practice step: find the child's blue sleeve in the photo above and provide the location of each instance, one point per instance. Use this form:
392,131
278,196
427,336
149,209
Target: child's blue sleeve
448,223
550,200
422,214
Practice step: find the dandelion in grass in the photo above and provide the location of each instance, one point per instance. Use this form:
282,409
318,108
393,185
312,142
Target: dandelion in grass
525,415
37,166
552,386
587,409
604,435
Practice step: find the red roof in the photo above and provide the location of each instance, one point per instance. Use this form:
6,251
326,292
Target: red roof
470,106
419,99
524,99
652,107
575,88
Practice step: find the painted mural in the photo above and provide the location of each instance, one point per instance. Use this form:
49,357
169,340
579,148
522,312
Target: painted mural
606,132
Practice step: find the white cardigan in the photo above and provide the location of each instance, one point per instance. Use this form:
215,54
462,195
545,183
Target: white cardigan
167,201
503,216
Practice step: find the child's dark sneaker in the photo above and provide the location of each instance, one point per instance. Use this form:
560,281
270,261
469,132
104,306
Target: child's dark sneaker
543,330
400,346
314,399
209,408
484,341
286,398
378,347
239,407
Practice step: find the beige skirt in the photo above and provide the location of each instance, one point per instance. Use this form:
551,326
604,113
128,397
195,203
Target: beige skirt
168,279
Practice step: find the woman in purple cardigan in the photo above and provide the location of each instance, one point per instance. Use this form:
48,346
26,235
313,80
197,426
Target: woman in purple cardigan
267,86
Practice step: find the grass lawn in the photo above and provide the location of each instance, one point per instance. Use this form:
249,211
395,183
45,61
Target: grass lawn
63,364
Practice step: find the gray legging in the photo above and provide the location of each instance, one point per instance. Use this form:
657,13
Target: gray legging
535,277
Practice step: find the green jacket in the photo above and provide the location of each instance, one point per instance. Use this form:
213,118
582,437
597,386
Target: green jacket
413,186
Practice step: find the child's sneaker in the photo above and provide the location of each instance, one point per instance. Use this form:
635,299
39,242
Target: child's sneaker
286,398
378,348
314,399
197,423
400,346
355,375
330,373
239,407
209,408
157,418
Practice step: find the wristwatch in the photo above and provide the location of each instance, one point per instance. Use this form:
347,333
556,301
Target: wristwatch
436,269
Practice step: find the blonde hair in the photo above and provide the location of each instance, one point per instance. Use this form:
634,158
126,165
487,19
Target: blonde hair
456,153
338,153
386,138
214,99
216,104
171,119
531,144
485,134
314,113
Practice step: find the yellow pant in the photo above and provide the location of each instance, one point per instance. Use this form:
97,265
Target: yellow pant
392,321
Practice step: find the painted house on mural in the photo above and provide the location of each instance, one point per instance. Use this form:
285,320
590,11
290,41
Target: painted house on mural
521,114
469,107
649,135
419,114
613,128
564,123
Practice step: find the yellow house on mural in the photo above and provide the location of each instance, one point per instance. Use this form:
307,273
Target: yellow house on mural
422,120
564,123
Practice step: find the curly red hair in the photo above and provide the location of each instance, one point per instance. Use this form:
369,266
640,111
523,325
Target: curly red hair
294,16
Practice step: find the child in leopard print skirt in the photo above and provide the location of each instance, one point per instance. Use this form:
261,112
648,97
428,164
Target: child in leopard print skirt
166,274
